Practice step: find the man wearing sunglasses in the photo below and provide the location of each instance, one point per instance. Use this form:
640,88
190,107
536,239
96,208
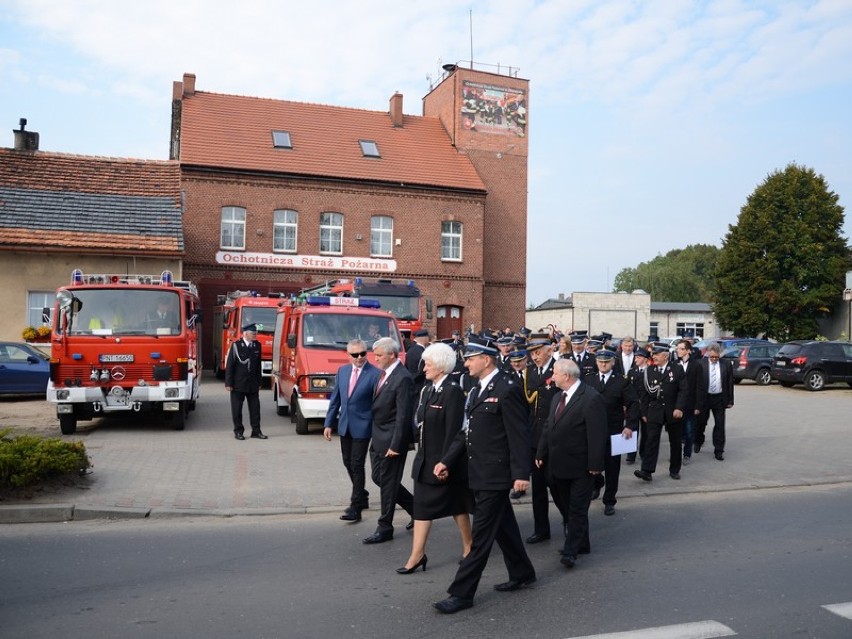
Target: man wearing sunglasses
350,413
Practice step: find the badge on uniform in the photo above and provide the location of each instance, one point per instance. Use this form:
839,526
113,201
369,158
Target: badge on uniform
491,399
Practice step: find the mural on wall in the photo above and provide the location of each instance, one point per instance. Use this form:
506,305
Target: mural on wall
487,108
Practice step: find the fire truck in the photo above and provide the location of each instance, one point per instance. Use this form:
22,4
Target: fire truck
124,343
404,301
238,309
310,346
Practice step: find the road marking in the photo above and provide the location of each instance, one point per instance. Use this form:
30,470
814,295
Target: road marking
842,609
696,630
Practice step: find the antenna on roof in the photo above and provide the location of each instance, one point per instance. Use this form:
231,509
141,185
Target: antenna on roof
471,37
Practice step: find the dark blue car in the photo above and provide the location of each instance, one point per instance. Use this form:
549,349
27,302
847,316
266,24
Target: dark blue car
24,369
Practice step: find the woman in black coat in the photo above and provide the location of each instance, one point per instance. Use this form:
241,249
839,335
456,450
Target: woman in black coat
440,414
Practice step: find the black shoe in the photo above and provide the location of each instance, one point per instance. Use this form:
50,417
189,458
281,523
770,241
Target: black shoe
350,514
568,561
609,509
378,538
517,494
452,605
512,584
719,456
410,524
674,475
408,571
537,538
239,436
696,448
258,435
596,493
643,474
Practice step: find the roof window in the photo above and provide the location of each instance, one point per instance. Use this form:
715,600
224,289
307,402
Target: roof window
281,140
369,148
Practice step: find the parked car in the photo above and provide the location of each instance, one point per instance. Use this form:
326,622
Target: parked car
813,364
23,369
752,361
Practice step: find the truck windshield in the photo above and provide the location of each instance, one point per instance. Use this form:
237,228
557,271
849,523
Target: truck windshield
124,312
264,318
404,308
334,330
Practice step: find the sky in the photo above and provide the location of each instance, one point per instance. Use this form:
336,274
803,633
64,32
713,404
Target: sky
650,122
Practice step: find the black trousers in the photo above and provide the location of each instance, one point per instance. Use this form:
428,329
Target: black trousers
651,449
540,500
715,405
493,520
387,473
354,453
575,495
609,480
253,401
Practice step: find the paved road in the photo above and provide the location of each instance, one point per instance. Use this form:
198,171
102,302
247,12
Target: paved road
776,437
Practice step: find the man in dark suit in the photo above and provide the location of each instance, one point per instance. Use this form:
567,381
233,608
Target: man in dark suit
636,377
350,413
164,316
663,399
540,391
715,394
690,365
393,422
627,356
622,418
572,451
242,379
579,355
498,460
413,357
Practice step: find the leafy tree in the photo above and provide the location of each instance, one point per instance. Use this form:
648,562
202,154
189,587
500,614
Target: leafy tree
782,264
681,275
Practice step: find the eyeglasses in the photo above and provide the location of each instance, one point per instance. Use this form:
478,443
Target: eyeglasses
357,355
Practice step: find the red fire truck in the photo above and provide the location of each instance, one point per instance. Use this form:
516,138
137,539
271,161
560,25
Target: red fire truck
238,309
403,301
124,343
310,345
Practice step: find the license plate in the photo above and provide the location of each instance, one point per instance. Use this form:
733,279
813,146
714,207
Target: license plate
780,363
115,358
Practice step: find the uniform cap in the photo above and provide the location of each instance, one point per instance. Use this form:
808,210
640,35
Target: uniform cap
250,328
479,346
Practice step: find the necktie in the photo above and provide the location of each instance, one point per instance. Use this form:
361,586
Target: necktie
561,408
603,380
381,382
353,380
714,384
540,371
471,397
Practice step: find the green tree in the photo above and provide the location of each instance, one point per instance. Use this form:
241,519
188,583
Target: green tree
681,275
782,264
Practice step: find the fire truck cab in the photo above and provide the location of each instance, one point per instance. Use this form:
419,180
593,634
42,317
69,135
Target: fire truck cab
238,309
310,346
124,343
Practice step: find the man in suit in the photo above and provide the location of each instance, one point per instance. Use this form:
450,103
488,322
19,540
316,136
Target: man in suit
413,359
350,412
663,399
622,418
579,355
690,365
540,391
393,423
497,448
715,394
627,359
242,379
164,316
636,377
572,451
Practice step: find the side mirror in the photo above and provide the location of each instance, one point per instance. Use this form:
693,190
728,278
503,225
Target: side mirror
32,359
291,341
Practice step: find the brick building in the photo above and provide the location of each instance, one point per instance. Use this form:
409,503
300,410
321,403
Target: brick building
283,195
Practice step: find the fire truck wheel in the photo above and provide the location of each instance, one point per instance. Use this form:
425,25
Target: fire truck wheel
68,424
283,411
179,417
301,421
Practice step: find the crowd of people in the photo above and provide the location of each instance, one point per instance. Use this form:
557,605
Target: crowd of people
497,414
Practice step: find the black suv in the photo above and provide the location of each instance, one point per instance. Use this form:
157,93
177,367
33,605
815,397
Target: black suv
813,364
752,361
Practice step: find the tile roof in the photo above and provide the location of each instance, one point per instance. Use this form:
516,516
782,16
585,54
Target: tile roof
228,131
62,201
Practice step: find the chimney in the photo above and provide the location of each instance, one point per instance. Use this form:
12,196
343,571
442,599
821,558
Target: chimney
25,140
396,109
189,84
562,297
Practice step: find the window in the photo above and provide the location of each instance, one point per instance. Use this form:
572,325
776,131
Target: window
281,140
284,226
331,233
451,241
233,227
37,301
655,329
369,148
691,329
381,236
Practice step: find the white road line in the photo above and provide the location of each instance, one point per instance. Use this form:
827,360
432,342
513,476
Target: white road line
696,630
841,609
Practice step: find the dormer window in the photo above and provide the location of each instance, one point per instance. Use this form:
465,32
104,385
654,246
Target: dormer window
281,140
370,149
